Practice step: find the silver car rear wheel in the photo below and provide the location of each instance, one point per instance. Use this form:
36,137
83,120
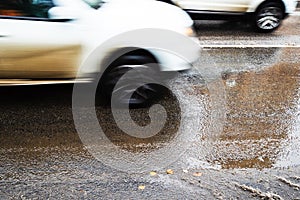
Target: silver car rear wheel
268,17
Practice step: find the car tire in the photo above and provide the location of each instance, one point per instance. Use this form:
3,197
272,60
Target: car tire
142,96
268,17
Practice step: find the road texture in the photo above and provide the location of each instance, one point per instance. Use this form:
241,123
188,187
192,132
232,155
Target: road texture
255,154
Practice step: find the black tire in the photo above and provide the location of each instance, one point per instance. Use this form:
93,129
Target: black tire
268,17
144,95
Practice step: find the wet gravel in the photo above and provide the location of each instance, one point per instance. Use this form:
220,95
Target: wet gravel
254,156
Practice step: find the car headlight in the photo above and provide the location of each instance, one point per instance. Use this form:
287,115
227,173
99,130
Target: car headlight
190,32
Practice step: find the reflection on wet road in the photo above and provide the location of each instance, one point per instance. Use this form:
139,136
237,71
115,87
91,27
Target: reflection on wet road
260,130
262,107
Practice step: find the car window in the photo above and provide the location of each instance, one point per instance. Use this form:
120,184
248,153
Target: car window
25,8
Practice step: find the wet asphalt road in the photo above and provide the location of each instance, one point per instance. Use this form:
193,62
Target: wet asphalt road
246,144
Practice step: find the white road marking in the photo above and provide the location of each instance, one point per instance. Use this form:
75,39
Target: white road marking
296,14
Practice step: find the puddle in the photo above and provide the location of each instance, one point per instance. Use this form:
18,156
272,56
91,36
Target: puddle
262,125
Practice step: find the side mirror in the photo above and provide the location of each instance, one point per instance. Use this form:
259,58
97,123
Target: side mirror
63,13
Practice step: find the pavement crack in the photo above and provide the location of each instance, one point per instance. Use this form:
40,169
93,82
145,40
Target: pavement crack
291,184
259,193
296,177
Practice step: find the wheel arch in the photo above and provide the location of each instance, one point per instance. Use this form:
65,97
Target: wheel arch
256,5
134,54
280,2
165,60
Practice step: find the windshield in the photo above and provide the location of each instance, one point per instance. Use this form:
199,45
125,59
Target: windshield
94,3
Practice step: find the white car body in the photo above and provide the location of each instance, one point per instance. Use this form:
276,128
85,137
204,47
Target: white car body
38,49
230,5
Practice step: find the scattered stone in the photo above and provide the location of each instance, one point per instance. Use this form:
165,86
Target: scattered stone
261,159
141,187
153,173
197,174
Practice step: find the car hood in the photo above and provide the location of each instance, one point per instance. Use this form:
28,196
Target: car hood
149,10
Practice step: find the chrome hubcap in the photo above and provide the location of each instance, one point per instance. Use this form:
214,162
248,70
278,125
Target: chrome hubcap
269,18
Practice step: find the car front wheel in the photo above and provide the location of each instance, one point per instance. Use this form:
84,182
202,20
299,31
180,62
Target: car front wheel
268,17
136,89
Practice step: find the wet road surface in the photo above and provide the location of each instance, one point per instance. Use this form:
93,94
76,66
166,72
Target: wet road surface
255,155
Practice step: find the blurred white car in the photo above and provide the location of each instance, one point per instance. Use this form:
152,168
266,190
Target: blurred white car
46,41
264,15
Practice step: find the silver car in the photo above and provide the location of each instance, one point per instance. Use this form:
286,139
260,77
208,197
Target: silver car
263,15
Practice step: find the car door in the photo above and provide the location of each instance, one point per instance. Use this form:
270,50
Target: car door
34,46
215,5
